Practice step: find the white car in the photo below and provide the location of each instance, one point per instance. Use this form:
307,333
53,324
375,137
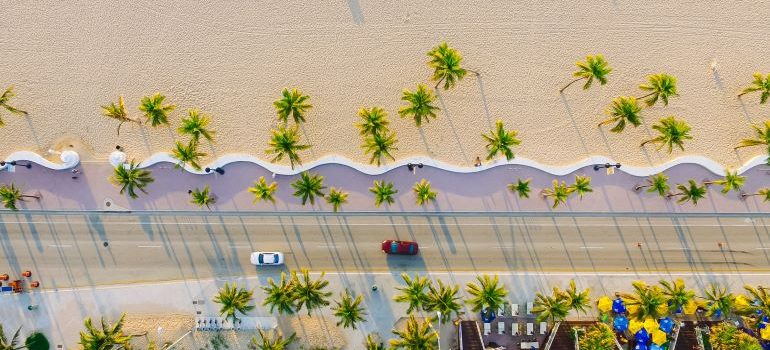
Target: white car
266,258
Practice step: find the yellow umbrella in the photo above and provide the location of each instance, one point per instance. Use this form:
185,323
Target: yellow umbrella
690,307
765,333
659,337
741,302
634,326
662,309
632,309
604,304
650,325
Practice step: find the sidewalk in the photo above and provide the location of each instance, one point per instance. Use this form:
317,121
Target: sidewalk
484,191
61,313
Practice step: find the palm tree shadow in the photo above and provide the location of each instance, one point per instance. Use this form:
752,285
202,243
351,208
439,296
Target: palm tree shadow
607,144
32,129
745,111
574,124
309,142
451,125
355,11
145,139
425,142
484,100
718,80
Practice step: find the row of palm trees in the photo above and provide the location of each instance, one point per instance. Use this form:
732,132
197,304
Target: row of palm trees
691,191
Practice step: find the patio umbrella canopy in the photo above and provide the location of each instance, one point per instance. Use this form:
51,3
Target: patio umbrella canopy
604,304
618,306
666,325
634,326
650,324
642,336
641,346
655,347
620,323
658,337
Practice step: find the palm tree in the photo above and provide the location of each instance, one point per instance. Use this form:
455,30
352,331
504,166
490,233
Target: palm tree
272,341
154,110
118,112
373,121
672,132
293,104
423,193
280,295
383,192
550,307
660,86
656,183
677,295
285,143
581,186
759,84
234,299
349,310
202,197
760,304
690,192
488,295
445,62
762,139
501,141
373,342
336,198
521,187
764,192
649,301
598,336
196,125
580,301
309,293
414,292
12,345
625,109
559,193
595,67
731,181
420,105
4,99
187,154
719,301
380,145
308,187
263,191
415,336
130,178
443,299
10,195
109,337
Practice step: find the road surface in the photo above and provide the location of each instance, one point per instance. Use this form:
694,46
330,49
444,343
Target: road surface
66,250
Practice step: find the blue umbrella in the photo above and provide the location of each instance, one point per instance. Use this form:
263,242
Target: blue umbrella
641,346
621,323
487,316
618,307
642,337
666,325
655,347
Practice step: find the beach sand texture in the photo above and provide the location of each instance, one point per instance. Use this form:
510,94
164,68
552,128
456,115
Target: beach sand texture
232,58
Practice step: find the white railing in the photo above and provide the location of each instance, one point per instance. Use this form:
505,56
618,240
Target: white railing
552,335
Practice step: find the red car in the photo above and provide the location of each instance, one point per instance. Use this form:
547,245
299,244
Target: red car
392,246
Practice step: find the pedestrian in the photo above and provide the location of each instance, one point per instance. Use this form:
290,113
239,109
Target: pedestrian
75,173
478,162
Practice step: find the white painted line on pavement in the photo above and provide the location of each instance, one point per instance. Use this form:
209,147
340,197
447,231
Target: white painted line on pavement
502,224
148,246
238,246
591,247
762,248
60,245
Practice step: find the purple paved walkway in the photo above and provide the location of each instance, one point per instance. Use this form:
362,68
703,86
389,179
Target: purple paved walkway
478,192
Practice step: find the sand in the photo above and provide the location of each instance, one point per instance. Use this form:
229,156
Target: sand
232,58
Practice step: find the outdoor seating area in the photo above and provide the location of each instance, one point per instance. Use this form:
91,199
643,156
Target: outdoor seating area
511,330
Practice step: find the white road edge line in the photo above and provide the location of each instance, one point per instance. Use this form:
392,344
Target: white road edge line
591,247
60,245
148,246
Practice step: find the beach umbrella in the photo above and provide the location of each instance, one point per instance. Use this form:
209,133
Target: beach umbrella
618,306
765,333
621,323
641,346
658,337
655,347
642,336
650,324
690,307
117,158
604,304
666,325
634,326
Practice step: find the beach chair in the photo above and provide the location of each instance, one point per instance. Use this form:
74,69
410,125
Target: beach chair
543,327
487,328
530,305
515,328
530,328
514,309
501,327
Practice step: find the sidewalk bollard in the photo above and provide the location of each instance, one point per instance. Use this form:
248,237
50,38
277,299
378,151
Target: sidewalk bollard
34,284
374,288
27,273
638,244
32,307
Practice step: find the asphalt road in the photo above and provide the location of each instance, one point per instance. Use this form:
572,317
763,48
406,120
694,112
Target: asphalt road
68,250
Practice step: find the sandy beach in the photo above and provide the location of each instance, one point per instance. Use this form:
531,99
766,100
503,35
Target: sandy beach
232,58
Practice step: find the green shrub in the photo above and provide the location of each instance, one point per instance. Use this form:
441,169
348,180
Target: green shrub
37,341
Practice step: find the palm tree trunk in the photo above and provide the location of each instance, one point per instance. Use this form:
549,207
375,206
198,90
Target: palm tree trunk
640,187
438,83
608,121
645,96
473,71
30,196
674,194
119,125
646,142
743,93
741,146
570,83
